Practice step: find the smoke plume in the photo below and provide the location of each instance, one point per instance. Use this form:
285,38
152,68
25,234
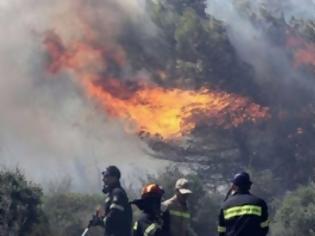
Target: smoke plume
48,127
259,44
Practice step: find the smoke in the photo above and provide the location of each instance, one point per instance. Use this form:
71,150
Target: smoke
262,45
290,8
48,127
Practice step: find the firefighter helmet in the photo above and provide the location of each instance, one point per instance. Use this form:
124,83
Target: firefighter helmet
152,190
242,179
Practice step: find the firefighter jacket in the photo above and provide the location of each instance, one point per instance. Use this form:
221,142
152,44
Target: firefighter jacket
243,215
118,213
179,217
152,225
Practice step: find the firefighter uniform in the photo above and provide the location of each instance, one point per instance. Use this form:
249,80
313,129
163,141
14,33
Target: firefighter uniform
118,213
179,217
150,225
152,221
243,214
177,206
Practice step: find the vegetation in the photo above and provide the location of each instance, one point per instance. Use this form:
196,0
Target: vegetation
20,205
69,213
66,213
201,53
295,214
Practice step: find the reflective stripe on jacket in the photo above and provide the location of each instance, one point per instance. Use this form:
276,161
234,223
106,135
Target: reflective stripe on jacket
179,217
118,213
150,225
243,214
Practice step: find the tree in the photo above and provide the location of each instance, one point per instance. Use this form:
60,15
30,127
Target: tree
296,213
20,203
202,55
190,50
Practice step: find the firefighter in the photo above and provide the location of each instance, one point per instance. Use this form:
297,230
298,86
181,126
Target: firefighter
178,210
117,217
243,214
152,221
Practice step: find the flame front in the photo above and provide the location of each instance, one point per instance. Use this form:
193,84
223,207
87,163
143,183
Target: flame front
168,113
172,113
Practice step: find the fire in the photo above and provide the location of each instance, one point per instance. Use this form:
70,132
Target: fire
172,113
304,52
168,113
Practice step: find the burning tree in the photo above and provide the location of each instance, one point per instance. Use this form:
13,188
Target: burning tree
187,93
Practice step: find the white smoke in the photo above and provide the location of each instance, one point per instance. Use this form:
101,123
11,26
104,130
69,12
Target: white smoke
297,8
48,127
290,8
253,45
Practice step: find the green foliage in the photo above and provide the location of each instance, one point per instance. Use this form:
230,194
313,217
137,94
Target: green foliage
20,203
69,213
296,213
190,49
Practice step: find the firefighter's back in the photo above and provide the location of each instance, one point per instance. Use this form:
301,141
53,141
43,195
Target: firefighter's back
245,215
149,225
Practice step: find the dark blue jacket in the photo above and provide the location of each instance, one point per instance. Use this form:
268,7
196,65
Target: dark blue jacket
243,214
118,213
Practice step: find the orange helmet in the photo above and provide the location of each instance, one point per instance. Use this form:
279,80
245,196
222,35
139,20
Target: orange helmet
152,190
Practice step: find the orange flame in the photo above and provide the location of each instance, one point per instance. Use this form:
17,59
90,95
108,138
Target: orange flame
169,113
173,112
